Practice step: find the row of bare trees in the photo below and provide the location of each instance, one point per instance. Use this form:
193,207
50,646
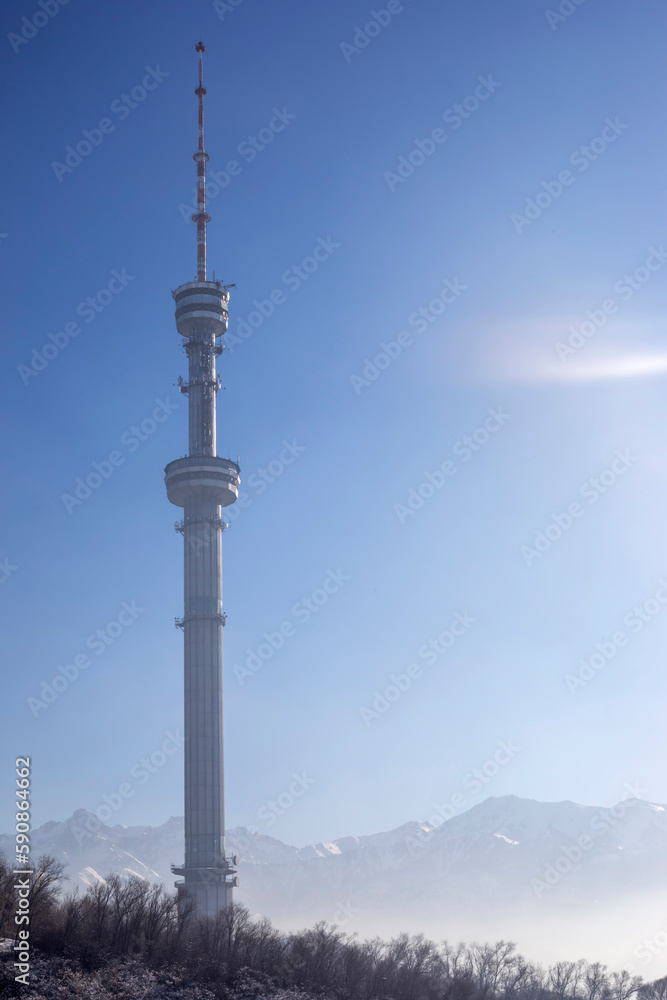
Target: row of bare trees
235,955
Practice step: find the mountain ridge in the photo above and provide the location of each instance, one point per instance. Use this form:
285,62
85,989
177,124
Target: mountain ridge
506,867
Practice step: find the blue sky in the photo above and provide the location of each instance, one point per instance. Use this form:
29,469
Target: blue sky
581,95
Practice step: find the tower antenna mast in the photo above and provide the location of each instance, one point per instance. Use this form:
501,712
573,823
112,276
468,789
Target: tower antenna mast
201,159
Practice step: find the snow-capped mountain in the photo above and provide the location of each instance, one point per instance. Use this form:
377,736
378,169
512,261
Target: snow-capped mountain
508,867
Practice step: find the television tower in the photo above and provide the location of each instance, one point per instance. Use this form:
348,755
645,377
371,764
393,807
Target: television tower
202,484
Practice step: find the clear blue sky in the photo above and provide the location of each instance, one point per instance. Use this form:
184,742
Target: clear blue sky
331,173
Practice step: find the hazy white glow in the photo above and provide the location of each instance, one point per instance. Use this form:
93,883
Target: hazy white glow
540,350
607,368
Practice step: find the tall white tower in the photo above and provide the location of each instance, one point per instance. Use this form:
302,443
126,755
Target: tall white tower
202,484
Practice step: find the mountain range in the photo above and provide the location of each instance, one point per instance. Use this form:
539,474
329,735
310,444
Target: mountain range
561,879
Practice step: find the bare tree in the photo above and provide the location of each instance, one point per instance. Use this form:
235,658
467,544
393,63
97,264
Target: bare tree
623,986
656,990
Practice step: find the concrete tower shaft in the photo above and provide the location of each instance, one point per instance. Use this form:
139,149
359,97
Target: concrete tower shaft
202,484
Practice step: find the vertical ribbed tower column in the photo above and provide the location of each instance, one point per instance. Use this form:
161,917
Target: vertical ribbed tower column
202,484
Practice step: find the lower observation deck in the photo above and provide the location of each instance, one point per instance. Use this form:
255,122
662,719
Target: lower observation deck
216,478
225,872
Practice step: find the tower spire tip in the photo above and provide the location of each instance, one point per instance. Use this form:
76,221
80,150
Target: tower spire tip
201,156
